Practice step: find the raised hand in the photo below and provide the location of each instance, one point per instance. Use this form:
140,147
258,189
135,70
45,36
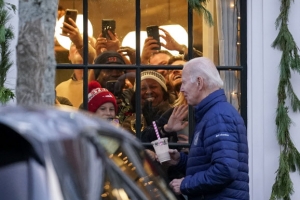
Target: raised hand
71,31
130,52
104,44
112,44
147,51
176,121
171,43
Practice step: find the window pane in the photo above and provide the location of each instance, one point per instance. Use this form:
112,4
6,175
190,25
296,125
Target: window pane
221,41
171,16
69,87
232,87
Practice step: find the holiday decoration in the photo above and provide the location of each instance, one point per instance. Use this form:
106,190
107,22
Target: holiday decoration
199,6
6,35
289,160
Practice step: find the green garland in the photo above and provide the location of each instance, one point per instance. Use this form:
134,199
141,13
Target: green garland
289,160
6,35
199,6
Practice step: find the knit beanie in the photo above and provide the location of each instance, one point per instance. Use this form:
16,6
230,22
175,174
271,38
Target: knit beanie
98,96
155,76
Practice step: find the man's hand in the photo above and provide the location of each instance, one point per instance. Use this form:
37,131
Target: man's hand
176,121
71,31
100,45
175,157
103,44
112,44
130,52
175,185
147,51
171,43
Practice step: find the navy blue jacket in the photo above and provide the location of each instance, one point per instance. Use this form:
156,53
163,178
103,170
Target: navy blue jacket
217,164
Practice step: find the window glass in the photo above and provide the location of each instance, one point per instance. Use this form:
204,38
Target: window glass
112,45
232,87
69,87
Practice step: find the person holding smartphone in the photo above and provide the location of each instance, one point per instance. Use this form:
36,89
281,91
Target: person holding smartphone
152,56
107,39
71,31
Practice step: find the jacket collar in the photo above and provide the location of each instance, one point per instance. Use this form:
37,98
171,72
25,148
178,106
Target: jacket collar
208,102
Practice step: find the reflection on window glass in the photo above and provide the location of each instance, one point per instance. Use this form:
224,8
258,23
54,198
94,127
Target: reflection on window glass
134,165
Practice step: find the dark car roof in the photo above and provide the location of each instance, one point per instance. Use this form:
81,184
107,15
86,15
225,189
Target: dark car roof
53,122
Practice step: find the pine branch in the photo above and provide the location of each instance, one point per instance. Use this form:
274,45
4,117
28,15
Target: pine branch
294,99
5,95
283,186
199,6
6,35
290,60
283,123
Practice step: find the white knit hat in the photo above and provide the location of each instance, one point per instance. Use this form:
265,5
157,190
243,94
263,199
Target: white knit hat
155,76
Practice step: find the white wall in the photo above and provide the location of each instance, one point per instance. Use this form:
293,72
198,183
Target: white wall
263,78
12,73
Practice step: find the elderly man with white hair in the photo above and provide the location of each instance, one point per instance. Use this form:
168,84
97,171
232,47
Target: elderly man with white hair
217,164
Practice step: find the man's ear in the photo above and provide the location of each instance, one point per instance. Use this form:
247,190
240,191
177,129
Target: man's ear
200,82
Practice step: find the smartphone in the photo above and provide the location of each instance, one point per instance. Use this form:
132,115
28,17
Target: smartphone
153,31
108,24
70,13
113,87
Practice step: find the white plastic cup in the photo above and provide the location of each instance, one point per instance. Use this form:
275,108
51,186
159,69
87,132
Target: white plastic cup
161,148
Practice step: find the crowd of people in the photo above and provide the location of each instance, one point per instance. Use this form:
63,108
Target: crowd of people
216,164
159,89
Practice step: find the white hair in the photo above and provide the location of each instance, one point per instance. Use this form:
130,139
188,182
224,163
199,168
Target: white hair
205,68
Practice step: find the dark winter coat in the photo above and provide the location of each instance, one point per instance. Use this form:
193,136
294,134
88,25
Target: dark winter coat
217,164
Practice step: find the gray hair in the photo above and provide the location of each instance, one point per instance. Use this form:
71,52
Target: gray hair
205,68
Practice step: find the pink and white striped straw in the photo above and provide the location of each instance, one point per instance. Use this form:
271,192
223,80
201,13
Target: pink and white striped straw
156,130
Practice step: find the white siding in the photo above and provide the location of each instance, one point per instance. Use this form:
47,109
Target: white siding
263,78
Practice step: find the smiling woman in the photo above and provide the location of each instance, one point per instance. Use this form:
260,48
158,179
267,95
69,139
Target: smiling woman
154,98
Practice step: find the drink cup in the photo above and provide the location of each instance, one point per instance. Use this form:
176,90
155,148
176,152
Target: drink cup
161,148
